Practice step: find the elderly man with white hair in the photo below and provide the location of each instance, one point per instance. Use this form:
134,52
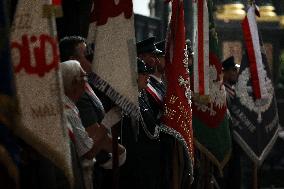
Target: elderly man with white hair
74,86
74,80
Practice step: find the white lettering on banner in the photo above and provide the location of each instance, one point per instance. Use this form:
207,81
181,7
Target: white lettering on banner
43,111
244,119
23,21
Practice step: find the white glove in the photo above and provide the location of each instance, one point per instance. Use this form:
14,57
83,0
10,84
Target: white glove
112,117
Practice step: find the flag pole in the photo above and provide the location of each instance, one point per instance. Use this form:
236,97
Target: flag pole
114,133
255,176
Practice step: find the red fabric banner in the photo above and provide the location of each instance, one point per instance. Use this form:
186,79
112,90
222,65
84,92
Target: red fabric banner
251,57
104,9
56,2
177,109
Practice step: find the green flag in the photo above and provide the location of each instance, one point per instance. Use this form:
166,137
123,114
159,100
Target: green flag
210,122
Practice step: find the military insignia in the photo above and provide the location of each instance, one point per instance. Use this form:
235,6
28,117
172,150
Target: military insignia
217,94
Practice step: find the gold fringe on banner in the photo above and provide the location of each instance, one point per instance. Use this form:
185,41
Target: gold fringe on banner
219,164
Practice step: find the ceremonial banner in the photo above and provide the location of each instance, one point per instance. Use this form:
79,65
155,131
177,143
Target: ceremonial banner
254,55
112,32
177,117
38,84
255,120
210,122
9,151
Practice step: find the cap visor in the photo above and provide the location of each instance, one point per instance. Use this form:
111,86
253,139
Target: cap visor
158,52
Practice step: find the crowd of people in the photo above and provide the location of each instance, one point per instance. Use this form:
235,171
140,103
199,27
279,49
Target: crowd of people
150,157
147,159
144,156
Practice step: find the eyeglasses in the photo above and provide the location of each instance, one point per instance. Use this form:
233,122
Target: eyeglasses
84,76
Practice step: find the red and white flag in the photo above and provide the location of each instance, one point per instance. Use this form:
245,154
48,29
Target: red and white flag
154,93
39,90
201,48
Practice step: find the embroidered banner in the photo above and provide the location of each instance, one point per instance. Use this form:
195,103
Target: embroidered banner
177,104
112,31
34,51
210,123
201,48
255,120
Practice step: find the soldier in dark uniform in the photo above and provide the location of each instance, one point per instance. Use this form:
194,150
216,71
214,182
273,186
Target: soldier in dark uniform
156,89
230,76
142,167
172,154
161,56
233,169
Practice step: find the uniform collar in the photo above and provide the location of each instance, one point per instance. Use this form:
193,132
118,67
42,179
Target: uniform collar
156,78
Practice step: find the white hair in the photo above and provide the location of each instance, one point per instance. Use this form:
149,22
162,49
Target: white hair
70,71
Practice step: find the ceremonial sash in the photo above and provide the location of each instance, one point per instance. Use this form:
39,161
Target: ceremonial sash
154,93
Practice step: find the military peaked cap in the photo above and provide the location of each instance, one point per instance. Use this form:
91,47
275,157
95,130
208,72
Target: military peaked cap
147,46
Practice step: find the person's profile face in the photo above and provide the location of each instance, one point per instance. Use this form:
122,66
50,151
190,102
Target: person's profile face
142,80
233,75
162,60
81,55
79,84
81,50
150,59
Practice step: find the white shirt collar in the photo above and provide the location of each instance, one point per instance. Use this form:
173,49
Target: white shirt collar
156,78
